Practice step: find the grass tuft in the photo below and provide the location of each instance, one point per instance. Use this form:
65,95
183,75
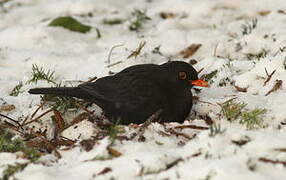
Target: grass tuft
38,74
232,110
61,103
140,18
113,130
216,129
17,89
252,119
12,169
249,26
236,111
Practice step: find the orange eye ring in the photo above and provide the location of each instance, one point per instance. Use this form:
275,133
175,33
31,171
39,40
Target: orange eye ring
182,75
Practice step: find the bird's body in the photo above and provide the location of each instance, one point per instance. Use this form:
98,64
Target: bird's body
137,92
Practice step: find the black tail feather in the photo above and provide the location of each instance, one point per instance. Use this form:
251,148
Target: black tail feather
61,91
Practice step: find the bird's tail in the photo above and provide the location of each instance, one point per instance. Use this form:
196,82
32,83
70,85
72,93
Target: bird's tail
61,91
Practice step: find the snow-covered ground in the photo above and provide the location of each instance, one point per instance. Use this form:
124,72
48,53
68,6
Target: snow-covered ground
233,43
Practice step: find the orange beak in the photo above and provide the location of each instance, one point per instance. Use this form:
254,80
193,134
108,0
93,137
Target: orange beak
200,83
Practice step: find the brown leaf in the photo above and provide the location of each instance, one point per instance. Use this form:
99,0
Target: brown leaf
105,170
280,149
113,152
281,11
190,50
264,13
60,123
167,15
240,89
7,107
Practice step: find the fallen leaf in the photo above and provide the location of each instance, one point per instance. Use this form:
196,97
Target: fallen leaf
240,89
113,152
167,15
264,13
190,50
7,107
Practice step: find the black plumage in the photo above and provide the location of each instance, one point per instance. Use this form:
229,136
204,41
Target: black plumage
135,93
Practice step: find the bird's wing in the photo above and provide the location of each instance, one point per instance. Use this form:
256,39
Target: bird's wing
124,92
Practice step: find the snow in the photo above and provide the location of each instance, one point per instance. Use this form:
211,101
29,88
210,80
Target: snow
26,39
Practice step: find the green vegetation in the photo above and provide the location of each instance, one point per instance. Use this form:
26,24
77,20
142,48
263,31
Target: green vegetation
70,24
12,169
140,18
61,103
17,89
40,74
115,21
209,76
216,129
8,143
234,111
252,119
113,130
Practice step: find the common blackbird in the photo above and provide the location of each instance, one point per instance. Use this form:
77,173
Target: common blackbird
137,92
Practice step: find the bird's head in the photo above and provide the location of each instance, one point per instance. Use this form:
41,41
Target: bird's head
183,74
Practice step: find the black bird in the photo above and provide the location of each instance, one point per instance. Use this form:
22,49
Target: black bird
137,92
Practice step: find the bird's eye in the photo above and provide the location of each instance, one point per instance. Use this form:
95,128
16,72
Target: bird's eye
182,75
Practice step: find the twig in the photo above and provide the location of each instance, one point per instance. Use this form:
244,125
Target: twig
268,76
78,119
19,125
200,70
266,160
91,79
151,119
192,127
172,131
137,51
46,112
110,65
215,48
277,85
10,126
110,52
35,112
